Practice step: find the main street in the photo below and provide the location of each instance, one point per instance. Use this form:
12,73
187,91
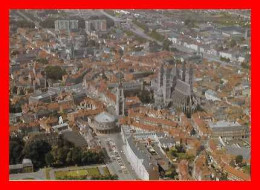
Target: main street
119,164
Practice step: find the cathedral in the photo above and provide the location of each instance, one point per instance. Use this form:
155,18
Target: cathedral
174,88
120,100
120,97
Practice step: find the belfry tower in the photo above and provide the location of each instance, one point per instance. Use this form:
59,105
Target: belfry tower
120,99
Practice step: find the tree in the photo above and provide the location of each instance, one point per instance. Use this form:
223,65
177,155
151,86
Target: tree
172,173
180,148
69,158
239,159
49,159
189,22
223,177
193,132
166,44
22,92
15,108
200,149
245,65
36,151
173,152
145,97
54,72
43,61
121,52
62,155
76,156
16,146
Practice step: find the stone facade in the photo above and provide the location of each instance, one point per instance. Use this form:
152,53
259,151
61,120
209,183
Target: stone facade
174,87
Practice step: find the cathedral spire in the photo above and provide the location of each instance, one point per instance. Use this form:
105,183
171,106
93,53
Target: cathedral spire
191,78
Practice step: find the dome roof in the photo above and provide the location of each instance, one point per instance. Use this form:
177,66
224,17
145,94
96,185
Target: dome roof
105,117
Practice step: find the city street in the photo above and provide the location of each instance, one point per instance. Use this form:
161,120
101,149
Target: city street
119,163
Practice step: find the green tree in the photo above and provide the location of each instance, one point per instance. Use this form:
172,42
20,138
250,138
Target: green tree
76,155
239,159
49,159
145,97
16,146
69,158
190,22
15,108
223,177
245,65
166,44
43,61
180,148
36,151
62,155
54,72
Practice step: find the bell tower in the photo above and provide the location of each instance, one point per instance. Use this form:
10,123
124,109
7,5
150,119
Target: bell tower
120,100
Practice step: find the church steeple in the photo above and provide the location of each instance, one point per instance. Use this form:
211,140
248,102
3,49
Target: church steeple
120,99
120,96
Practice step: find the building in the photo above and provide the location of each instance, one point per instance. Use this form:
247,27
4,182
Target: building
120,100
75,138
66,25
128,86
144,165
96,25
61,127
105,123
46,97
235,175
211,95
226,129
25,167
174,87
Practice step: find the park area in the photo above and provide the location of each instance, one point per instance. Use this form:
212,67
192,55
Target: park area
81,174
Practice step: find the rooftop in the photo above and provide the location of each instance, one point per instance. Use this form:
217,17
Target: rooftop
104,117
221,124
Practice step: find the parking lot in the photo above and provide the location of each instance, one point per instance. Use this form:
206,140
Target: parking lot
118,163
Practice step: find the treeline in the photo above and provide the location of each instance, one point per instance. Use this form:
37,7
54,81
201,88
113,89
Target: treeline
16,146
66,154
43,154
